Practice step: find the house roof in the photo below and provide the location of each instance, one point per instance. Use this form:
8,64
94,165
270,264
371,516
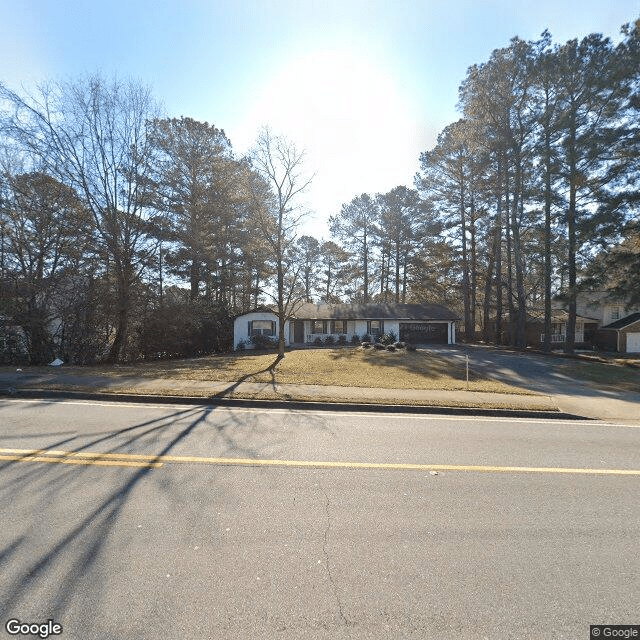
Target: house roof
623,322
311,311
557,315
259,309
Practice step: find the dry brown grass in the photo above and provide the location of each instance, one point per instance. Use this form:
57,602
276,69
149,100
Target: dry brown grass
619,374
347,367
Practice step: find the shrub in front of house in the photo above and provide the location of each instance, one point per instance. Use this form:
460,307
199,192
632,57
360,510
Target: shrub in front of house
342,339
388,338
329,341
366,338
318,342
355,339
241,346
411,347
261,341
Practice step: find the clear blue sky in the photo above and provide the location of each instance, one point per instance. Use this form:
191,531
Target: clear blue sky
364,86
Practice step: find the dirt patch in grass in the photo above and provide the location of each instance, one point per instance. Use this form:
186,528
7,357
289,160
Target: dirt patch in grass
346,367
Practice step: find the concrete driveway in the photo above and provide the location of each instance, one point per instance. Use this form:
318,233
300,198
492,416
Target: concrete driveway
541,373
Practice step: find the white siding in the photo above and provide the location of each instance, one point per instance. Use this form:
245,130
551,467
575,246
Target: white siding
354,327
360,327
241,327
392,326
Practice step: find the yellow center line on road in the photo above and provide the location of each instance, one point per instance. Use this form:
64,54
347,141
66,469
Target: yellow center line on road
77,458
156,461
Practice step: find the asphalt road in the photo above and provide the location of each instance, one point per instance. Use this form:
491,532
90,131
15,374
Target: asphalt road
403,526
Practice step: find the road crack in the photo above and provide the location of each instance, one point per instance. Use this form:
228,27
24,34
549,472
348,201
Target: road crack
327,561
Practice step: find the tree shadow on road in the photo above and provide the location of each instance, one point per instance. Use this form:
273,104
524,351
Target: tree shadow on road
86,539
52,555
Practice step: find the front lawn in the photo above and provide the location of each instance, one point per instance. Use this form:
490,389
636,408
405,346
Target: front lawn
615,373
347,367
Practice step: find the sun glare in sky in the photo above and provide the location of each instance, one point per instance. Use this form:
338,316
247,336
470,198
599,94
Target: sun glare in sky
344,110
364,86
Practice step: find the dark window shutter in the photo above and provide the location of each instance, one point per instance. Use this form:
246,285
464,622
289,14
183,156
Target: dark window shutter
273,327
249,329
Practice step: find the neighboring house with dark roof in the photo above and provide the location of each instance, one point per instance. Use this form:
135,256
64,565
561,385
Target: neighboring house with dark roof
534,329
623,335
584,335
416,323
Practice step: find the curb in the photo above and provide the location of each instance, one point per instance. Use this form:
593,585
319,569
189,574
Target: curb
288,404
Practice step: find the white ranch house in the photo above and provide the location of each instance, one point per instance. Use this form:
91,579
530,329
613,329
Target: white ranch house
416,323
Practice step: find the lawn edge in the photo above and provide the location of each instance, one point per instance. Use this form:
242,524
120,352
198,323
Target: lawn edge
429,406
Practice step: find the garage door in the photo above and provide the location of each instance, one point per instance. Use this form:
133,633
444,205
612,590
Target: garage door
424,332
633,342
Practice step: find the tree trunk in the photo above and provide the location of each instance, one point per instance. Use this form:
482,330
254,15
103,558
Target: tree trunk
404,278
570,337
547,232
194,279
520,335
465,267
397,272
366,265
474,270
122,323
281,309
498,241
512,313
488,286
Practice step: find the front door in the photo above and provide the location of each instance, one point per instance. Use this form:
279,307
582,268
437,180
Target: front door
298,331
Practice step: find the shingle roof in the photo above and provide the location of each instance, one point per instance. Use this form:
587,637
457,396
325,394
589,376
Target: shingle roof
311,311
623,322
557,315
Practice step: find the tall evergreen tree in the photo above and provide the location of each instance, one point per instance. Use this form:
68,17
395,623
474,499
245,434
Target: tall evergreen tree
591,105
193,175
355,227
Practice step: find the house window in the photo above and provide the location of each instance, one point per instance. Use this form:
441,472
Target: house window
339,326
615,314
319,326
375,327
262,327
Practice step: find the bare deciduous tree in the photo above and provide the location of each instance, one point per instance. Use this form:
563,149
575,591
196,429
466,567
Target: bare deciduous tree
281,166
91,135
